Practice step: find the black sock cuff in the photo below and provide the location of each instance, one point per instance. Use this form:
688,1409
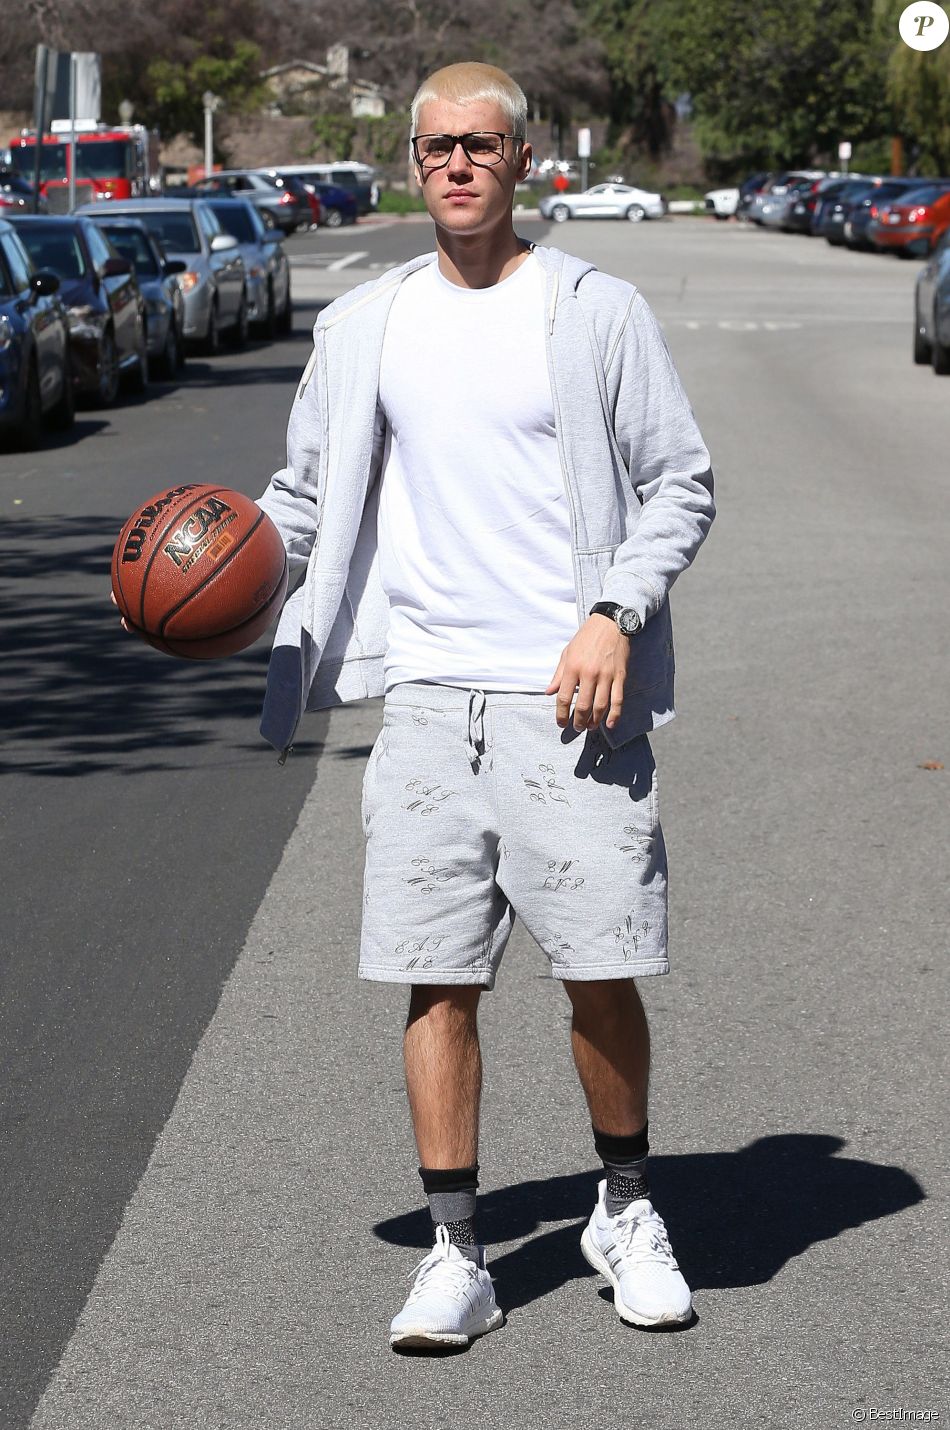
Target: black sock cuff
621,1149
448,1179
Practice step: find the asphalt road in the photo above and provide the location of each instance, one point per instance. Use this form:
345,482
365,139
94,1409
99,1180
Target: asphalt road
209,1199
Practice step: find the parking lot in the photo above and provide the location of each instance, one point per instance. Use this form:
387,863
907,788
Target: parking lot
199,1226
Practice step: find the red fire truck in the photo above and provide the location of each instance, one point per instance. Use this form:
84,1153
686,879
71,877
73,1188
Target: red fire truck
112,162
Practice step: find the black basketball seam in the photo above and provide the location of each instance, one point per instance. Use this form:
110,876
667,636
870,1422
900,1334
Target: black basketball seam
185,641
177,516
209,578
121,601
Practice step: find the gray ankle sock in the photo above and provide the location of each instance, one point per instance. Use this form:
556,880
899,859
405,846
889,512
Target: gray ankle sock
625,1163
451,1196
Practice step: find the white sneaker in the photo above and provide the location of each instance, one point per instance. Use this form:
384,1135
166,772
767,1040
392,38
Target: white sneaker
633,1252
451,1301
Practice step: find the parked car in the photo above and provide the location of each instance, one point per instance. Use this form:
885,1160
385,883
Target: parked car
291,183
722,203
212,281
16,192
604,201
337,205
766,199
105,309
286,206
265,265
912,224
833,215
865,209
35,372
358,179
748,189
808,200
775,210
932,309
158,281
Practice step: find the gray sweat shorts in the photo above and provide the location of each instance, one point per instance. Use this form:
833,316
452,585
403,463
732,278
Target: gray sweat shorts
477,807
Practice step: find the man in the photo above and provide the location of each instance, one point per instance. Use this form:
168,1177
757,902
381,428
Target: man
488,444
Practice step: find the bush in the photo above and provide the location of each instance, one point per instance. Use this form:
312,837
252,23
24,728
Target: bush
397,201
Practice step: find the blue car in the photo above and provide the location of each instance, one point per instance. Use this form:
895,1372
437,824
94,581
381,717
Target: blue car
35,376
337,206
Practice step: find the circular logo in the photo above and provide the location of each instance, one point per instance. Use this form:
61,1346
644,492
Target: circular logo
924,26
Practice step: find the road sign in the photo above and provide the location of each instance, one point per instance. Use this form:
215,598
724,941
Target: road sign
844,149
583,143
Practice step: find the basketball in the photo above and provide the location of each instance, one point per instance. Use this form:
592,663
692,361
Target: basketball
199,571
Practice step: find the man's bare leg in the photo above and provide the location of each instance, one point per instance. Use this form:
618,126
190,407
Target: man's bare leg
611,1045
444,1073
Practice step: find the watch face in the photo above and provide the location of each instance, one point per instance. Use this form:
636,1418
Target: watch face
628,621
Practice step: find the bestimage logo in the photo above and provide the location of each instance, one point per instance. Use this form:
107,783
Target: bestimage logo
203,530
135,541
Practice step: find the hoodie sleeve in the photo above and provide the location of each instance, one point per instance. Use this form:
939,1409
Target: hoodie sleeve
291,499
667,460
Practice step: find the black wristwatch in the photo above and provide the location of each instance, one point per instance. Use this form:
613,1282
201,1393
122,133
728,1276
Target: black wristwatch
625,616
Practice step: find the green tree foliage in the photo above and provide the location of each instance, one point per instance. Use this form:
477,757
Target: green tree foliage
176,90
918,88
775,83
631,34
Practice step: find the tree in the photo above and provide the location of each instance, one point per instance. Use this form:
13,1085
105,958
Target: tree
640,117
777,83
918,87
175,91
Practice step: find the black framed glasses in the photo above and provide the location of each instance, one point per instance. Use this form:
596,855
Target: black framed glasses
484,148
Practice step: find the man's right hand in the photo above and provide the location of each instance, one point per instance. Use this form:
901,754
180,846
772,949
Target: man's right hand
112,598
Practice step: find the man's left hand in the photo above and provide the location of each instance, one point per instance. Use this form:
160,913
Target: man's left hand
596,661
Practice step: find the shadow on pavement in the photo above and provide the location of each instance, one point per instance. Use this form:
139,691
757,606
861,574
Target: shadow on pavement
78,694
734,1218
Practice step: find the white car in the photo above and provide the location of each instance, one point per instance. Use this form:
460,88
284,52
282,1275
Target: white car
604,201
722,202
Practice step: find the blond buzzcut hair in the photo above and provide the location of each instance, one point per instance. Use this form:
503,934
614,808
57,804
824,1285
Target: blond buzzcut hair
473,83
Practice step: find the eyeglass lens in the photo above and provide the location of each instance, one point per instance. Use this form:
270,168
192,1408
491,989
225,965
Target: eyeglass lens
436,149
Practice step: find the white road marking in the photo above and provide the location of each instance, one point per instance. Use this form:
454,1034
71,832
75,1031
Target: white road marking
339,263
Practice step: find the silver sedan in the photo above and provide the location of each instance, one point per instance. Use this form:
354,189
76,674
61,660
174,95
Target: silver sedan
213,282
604,201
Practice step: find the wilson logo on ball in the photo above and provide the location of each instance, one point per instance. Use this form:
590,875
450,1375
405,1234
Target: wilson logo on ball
147,517
195,535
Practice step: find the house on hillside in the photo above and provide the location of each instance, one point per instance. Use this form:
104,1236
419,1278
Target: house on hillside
302,84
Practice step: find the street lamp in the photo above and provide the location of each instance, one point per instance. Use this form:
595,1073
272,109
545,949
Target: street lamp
210,102
126,110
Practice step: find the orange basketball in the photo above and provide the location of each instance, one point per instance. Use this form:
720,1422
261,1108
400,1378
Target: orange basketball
199,571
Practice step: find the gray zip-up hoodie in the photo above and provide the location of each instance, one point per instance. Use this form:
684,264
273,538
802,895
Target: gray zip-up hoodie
636,473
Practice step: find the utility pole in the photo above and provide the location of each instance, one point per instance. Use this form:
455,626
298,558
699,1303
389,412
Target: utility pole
210,102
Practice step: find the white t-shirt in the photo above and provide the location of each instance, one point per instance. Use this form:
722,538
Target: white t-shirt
474,531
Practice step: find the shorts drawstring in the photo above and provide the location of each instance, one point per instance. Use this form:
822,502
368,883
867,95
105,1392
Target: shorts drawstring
476,728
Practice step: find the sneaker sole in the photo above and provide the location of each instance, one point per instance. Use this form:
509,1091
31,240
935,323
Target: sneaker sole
421,1337
594,1257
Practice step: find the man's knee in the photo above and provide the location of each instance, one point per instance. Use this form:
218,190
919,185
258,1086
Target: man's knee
604,998
450,1004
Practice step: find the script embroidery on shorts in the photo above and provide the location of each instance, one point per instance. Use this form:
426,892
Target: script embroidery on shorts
558,876
419,715
430,875
557,948
431,796
629,937
639,849
546,788
417,947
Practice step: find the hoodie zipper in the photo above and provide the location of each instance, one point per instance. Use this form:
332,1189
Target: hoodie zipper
557,430
325,465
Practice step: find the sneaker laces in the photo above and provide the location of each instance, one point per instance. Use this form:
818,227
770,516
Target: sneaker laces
643,1236
453,1275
